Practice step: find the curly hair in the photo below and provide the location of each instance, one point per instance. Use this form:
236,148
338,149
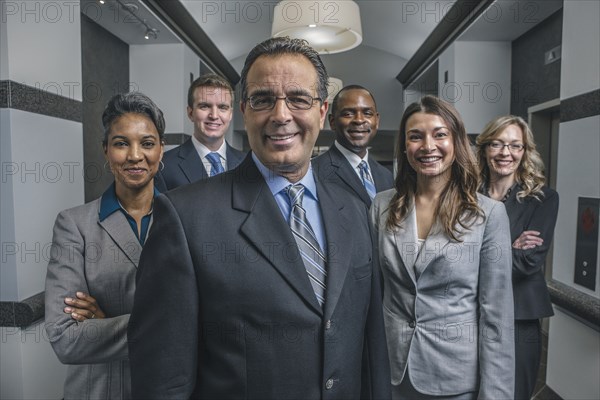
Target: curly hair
457,208
530,172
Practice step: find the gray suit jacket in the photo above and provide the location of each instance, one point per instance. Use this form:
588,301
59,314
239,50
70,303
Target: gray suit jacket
448,309
182,165
99,258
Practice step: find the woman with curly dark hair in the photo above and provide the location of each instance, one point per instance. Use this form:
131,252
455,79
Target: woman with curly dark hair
444,253
512,172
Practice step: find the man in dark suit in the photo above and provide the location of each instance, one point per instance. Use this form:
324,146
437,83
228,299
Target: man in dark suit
270,292
210,108
354,119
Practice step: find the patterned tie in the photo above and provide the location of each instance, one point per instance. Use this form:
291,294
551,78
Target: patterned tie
367,179
215,161
312,255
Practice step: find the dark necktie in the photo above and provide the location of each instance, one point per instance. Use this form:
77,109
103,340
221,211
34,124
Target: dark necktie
312,255
367,179
215,161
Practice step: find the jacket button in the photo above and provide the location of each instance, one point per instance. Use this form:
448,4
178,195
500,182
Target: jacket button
328,324
412,324
329,384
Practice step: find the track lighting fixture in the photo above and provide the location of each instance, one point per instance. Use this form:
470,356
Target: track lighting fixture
151,33
132,9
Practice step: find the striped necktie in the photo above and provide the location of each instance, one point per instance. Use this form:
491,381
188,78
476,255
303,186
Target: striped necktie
367,179
215,161
312,255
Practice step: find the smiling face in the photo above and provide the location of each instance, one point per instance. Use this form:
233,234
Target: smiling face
133,151
211,114
504,163
355,121
283,139
429,146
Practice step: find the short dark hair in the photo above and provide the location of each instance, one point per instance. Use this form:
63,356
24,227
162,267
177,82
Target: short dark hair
208,80
334,102
285,45
134,103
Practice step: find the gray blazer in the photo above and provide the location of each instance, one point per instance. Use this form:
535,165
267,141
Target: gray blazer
448,309
99,258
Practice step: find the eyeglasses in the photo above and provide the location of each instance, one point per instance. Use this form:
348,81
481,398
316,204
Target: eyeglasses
296,102
512,147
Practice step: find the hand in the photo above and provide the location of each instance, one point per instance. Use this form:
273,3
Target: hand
528,240
83,307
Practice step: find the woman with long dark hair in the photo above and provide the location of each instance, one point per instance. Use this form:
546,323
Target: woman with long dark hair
444,253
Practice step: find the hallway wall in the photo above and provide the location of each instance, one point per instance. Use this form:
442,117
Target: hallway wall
574,348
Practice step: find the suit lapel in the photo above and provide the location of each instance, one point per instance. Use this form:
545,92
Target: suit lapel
338,225
233,159
381,182
433,247
344,170
515,211
191,165
407,241
119,230
266,229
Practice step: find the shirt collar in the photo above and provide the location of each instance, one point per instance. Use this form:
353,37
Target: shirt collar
352,158
109,202
277,183
511,190
203,150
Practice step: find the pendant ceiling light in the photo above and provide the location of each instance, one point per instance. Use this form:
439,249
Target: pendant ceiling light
329,26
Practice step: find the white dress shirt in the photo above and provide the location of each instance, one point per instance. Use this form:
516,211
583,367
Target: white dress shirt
203,151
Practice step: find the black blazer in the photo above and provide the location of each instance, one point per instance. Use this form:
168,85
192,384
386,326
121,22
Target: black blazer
224,308
333,167
532,300
183,165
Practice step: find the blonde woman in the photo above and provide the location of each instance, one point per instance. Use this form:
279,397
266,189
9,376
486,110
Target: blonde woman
444,253
512,172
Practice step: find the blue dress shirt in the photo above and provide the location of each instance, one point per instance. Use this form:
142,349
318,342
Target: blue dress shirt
310,201
109,204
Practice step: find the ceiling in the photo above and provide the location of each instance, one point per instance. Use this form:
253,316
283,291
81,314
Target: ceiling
392,26
115,18
393,30
396,27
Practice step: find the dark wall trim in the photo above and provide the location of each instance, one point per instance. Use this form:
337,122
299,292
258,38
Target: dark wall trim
177,18
462,14
580,305
26,98
175,138
547,393
582,106
22,313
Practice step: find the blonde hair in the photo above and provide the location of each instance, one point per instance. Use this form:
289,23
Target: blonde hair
530,172
457,207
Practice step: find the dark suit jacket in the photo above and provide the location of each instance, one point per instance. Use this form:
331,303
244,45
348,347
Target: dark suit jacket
183,165
224,308
333,167
532,300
